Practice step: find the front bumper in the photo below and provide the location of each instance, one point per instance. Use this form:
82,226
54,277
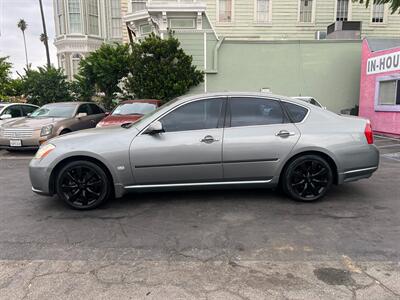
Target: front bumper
40,178
32,143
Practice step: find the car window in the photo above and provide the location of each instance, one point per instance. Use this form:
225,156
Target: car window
96,109
84,108
202,114
135,108
314,102
27,109
54,111
14,111
255,111
296,112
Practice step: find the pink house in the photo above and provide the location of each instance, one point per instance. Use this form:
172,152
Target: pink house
380,84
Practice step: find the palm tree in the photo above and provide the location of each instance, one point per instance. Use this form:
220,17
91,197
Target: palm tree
23,26
45,39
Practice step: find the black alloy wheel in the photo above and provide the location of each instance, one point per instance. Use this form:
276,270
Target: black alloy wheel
307,178
83,185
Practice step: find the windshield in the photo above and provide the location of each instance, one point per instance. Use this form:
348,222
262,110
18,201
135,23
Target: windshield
54,111
134,108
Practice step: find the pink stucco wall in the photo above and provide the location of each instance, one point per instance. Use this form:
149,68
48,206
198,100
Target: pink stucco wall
382,121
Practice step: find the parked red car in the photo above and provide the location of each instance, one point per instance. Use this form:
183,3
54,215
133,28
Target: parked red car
129,111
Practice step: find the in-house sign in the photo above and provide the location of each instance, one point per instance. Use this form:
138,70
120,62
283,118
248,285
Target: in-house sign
384,63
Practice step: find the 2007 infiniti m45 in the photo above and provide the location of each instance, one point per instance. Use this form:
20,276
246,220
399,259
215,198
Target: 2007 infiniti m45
211,140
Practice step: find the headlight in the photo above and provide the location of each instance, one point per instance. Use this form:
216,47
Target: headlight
46,130
44,151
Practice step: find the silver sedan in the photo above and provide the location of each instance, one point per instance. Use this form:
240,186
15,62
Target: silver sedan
213,140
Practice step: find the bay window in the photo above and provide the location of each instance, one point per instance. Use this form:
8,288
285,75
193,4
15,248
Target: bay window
93,17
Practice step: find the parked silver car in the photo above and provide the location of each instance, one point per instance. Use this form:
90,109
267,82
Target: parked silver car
211,140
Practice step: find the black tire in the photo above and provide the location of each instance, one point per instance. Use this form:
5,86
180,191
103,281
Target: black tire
83,185
65,131
307,178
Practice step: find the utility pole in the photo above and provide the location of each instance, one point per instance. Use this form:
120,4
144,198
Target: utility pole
46,44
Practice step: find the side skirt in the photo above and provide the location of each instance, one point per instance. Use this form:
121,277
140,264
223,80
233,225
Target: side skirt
196,184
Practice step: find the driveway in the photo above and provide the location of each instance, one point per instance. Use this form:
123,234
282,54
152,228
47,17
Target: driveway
235,244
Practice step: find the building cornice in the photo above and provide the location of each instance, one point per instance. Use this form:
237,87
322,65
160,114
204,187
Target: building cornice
78,44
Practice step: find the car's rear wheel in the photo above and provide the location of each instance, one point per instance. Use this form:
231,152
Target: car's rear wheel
83,185
307,178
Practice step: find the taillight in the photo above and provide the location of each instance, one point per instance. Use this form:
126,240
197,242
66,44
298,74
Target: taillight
368,133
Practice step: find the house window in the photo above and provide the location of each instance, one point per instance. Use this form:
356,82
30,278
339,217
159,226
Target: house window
389,92
74,11
225,10
378,12
116,25
76,59
60,17
306,11
138,5
262,11
145,29
182,23
93,17
62,64
342,10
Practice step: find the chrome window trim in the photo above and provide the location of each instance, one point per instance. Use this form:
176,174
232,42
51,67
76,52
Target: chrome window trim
227,97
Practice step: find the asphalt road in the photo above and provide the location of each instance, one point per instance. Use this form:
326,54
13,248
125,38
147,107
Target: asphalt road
235,244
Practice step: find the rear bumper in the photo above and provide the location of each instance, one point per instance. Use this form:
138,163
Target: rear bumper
357,174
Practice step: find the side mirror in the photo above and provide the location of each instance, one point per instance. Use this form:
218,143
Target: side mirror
154,128
81,115
107,113
5,117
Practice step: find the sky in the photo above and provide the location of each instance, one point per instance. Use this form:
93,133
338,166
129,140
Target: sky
11,40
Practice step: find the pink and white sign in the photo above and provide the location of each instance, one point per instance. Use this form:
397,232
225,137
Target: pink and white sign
376,103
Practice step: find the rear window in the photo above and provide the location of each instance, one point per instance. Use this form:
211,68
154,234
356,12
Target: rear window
297,113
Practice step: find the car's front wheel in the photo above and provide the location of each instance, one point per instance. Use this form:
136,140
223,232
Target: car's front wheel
307,178
83,185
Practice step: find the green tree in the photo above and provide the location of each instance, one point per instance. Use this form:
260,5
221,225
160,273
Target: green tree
81,89
103,69
160,69
23,26
394,4
5,76
45,85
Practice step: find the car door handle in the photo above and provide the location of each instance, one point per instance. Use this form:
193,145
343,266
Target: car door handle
208,139
284,133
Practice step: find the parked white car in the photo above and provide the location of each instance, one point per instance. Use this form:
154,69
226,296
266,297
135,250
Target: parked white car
15,110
